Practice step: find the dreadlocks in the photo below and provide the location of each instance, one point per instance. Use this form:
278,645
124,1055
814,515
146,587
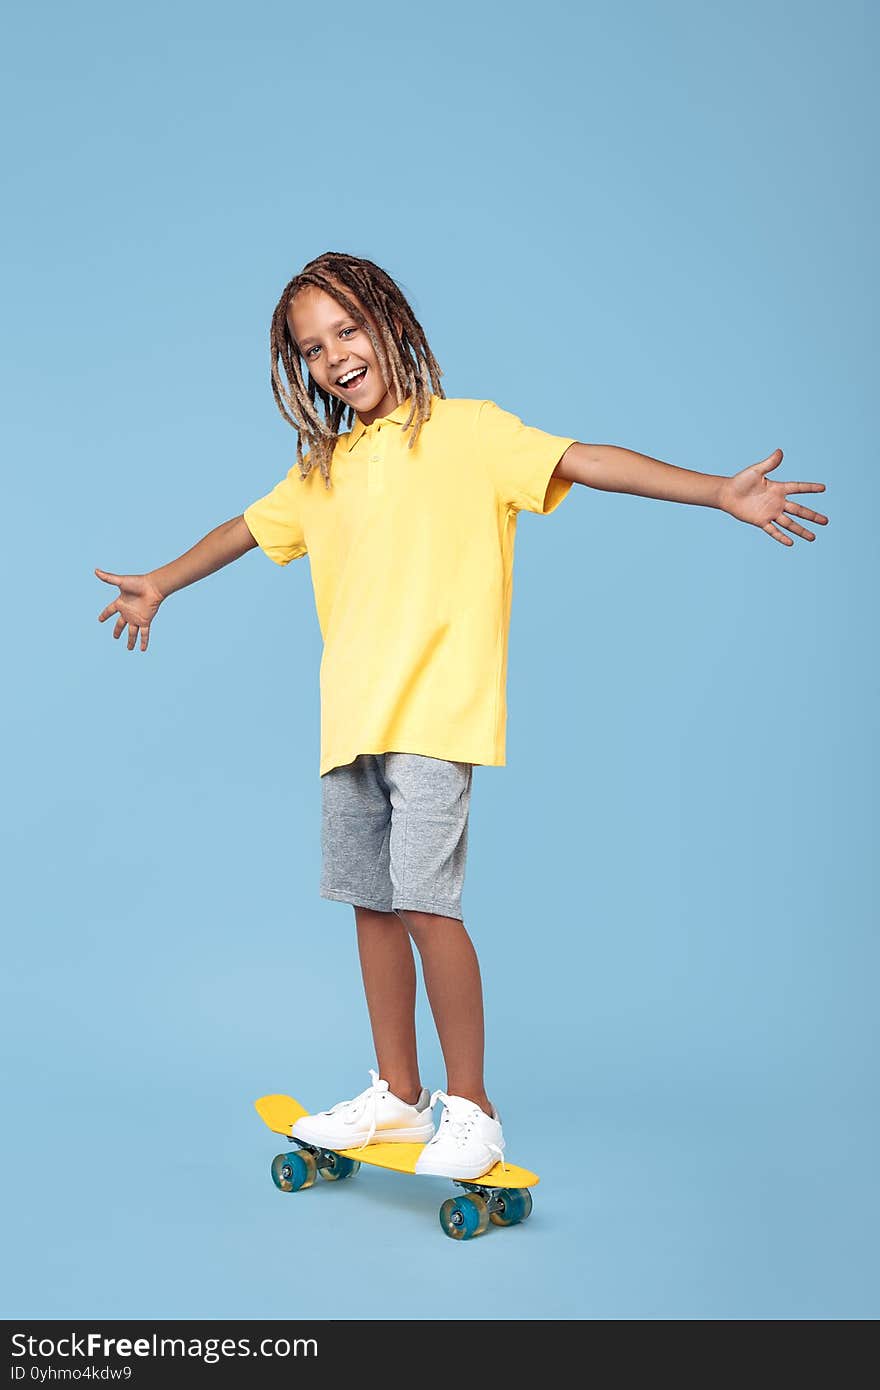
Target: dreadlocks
407,362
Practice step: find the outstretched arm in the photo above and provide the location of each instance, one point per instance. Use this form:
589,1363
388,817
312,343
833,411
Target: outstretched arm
141,594
748,495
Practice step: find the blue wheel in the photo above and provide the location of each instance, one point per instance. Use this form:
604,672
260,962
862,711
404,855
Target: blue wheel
336,1167
514,1205
292,1172
462,1218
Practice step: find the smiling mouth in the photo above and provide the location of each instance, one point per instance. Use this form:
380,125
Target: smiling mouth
353,382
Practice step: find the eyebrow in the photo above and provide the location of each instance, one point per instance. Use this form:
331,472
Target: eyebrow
337,324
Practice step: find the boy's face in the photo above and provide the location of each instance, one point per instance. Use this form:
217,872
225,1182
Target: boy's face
334,345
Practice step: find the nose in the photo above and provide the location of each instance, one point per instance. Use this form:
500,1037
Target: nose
337,353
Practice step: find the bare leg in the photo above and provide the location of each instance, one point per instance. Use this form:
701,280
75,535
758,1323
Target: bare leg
389,974
455,993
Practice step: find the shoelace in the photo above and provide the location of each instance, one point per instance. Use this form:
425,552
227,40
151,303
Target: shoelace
368,1098
462,1126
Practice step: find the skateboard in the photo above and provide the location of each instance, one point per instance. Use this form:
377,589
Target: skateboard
500,1197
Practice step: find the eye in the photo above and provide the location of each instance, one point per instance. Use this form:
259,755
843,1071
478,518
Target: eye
308,352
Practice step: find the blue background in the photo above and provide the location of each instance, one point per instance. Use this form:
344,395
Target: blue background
644,225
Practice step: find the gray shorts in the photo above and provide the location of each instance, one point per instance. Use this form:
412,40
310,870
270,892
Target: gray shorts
394,832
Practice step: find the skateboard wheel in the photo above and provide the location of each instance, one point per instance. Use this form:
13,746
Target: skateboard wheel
336,1167
462,1218
292,1172
514,1205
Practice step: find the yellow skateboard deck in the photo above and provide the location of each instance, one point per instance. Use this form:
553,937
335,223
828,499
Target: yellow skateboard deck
499,1196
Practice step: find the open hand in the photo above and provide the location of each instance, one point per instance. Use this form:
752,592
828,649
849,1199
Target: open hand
750,496
137,606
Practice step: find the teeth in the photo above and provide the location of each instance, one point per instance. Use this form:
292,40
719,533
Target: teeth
348,375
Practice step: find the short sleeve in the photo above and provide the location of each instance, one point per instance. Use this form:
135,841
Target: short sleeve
275,521
521,460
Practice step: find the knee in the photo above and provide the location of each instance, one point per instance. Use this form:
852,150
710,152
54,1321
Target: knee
418,923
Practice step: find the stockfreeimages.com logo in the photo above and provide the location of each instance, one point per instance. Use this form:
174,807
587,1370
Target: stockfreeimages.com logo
95,1346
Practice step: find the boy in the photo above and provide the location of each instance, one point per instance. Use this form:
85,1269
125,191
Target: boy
409,520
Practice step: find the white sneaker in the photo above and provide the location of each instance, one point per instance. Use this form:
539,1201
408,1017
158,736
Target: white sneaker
375,1116
468,1142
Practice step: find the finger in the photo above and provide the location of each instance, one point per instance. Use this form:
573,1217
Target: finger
801,487
120,626
770,462
777,535
145,637
109,611
795,509
109,578
783,520
132,636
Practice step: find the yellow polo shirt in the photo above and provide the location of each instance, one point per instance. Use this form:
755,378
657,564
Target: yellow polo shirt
411,554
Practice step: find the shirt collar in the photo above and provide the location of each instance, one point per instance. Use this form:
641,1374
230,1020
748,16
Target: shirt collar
397,417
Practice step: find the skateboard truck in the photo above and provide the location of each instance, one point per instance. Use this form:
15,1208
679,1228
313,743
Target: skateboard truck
328,1163
501,1200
